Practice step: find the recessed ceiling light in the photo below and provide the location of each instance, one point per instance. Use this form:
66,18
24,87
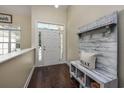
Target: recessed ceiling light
56,6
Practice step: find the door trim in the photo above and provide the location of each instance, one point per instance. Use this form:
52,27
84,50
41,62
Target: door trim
37,38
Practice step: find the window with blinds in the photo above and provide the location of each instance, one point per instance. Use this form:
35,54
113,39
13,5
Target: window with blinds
9,39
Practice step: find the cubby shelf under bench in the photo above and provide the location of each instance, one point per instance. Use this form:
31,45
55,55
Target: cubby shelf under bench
85,76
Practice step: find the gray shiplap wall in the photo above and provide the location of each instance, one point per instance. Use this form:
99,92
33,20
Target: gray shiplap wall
103,42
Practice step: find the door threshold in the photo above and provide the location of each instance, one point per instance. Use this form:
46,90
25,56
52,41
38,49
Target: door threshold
51,64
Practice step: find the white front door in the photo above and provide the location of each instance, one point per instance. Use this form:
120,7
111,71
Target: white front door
50,45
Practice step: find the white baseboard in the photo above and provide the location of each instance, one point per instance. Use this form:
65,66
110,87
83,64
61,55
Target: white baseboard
62,62
29,77
40,66
68,63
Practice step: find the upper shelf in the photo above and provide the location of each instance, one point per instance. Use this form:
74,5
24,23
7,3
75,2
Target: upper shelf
101,22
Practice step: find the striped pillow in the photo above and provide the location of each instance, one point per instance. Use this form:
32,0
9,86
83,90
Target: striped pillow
88,59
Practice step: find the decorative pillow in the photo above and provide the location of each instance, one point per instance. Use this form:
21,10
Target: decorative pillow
88,59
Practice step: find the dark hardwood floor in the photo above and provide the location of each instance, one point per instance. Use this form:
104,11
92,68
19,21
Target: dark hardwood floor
56,76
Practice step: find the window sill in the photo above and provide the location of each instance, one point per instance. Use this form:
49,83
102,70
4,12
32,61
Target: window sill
12,55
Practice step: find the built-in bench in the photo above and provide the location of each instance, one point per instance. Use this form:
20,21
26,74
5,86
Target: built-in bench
105,79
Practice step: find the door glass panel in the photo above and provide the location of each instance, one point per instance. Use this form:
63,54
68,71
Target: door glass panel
50,27
40,54
40,50
55,27
43,26
61,49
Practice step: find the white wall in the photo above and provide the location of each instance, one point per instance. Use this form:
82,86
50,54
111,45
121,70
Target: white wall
48,14
14,72
21,17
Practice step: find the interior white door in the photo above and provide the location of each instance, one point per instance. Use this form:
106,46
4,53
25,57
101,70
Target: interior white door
50,47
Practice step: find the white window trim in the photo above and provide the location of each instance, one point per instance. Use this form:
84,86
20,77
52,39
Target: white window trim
10,29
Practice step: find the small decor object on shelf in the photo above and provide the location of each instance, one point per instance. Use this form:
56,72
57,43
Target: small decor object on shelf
5,18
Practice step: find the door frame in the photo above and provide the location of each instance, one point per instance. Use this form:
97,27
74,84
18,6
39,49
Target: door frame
37,42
